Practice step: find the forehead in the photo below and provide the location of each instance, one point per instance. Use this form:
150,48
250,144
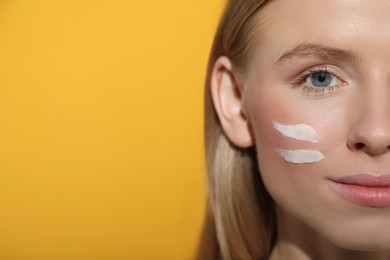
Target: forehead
360,25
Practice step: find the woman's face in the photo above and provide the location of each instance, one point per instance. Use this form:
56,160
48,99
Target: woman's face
317,97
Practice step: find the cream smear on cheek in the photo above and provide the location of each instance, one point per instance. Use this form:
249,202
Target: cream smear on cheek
301,156
301,132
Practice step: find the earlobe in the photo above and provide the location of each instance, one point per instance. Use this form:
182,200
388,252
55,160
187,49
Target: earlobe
226,95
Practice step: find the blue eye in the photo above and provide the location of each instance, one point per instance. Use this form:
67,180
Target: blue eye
320,79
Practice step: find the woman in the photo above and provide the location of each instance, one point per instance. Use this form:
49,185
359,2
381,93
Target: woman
298,131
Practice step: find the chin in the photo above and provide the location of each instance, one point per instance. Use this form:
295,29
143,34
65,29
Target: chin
362,238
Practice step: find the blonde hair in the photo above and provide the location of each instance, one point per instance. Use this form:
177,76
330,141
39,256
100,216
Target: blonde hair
240,220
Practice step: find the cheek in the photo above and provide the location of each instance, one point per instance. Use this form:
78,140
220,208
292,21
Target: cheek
287,182
288,134
322,117
285,126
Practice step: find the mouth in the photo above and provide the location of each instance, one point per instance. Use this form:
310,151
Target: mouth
370,190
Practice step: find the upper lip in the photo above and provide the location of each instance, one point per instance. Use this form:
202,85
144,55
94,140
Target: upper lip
366,180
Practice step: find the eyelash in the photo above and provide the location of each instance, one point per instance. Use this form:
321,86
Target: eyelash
300,81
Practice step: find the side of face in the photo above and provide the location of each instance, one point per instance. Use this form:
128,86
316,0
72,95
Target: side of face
315,101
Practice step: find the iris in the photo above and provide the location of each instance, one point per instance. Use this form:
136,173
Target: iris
321,79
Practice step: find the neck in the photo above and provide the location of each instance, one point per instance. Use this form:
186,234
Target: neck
298,241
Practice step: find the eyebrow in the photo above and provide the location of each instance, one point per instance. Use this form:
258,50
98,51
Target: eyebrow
314,50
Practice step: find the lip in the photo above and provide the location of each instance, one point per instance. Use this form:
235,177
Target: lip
371,190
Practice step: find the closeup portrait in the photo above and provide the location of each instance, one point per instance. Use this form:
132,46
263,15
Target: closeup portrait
195,130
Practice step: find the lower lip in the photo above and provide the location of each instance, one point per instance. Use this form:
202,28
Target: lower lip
363,195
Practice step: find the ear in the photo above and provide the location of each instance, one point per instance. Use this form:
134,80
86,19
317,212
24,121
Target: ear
227,95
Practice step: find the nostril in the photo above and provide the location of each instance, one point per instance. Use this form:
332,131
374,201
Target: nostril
359,146
370,149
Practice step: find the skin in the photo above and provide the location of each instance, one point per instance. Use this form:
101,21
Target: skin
352,120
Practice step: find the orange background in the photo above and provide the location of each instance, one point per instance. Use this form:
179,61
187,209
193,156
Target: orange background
101,127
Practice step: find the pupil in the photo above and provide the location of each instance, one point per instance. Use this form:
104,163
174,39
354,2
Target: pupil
321,77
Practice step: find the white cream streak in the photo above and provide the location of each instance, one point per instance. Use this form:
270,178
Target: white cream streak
300,132
300,156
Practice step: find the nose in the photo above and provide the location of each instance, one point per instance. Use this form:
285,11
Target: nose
373,143
371,130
